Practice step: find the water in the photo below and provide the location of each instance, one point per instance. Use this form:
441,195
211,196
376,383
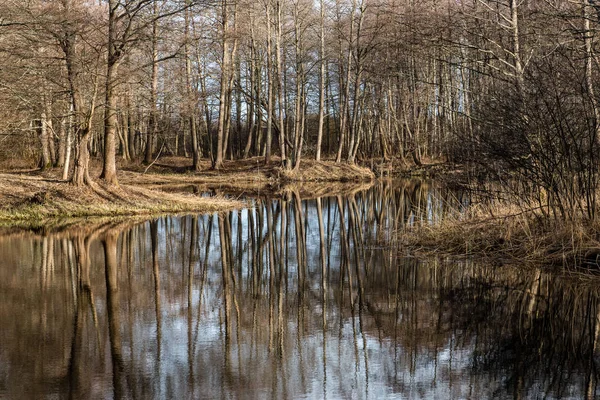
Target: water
292,298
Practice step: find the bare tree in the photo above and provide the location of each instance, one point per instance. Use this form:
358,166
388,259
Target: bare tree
225,87
322,71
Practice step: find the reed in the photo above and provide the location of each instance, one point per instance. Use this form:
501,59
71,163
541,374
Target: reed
507,233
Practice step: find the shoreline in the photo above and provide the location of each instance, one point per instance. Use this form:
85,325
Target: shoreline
35,198
509,237
38,202
504,233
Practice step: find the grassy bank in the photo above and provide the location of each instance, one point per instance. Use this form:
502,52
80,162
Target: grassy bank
508,234
249,173
32,197
35,199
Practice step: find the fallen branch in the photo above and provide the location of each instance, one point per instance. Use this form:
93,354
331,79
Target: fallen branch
156,159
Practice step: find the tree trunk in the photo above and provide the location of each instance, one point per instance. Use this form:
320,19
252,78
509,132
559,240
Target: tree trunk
279,74
514,16
79,123
50,127
127,154
250,88
589,59
321,81
356,119
589,81
152,130
130,131
68,144
270,99
82,158
109,170
225,70
62,142
191,101
46,161
300,105
345,83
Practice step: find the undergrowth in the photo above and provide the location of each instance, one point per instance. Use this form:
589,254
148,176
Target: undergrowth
508,234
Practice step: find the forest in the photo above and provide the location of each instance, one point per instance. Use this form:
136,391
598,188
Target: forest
505,88
300,198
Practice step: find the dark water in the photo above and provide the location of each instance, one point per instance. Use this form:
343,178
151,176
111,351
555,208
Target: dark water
291,299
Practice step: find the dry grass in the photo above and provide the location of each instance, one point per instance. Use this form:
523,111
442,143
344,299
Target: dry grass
36,198
508,234
249,177
172,170
248,173
326,171
430,168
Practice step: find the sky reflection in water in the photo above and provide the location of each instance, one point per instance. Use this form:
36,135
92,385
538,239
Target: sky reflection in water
291,299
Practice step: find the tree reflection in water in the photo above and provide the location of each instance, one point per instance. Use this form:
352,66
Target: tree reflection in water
292,297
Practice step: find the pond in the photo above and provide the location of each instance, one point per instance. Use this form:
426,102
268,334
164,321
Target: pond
291,298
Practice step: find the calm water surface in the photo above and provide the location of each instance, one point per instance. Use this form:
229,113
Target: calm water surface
293,298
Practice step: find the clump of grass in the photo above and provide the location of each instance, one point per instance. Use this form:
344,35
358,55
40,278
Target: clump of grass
326,171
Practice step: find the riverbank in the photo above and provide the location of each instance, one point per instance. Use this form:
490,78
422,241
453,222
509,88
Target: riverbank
508,235
438,169
33,200
34,197
248,173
